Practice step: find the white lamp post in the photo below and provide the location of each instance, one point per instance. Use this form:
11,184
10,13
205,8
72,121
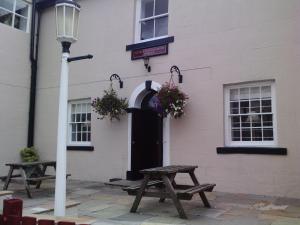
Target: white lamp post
67,14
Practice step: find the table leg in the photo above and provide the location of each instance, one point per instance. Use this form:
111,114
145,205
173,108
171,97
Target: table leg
202,194
170,190
38,185
171,178
27,188
8,178
140,193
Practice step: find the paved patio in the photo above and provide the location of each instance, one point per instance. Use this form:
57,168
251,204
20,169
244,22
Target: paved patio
108,205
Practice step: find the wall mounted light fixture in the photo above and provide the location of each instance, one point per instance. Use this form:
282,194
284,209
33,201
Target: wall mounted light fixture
116,77
147,64
177,70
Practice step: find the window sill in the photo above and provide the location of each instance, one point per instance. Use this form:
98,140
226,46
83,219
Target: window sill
80,148
150,43
252,150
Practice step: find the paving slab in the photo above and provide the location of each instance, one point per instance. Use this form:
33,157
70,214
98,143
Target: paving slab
110,205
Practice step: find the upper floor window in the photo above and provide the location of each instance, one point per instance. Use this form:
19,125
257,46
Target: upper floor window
250,115
152,19
15,13
79,122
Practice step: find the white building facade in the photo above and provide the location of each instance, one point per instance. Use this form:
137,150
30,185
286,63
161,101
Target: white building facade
239,61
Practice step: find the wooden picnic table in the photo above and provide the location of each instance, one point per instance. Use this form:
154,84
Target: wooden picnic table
159,182
22,167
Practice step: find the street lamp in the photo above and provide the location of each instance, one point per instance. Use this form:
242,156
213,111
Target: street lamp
67,15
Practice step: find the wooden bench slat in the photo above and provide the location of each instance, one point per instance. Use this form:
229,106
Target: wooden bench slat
137,187
188,193
41,178
45,177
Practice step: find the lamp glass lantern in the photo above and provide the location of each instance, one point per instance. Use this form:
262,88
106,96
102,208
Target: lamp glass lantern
67,16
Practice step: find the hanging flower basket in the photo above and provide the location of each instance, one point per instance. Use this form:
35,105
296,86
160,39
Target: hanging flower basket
172,100
110,105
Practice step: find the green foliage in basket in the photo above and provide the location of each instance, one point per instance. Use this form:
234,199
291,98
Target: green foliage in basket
110,105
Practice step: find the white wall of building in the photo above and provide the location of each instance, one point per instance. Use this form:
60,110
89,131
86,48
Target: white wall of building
216,43
14,93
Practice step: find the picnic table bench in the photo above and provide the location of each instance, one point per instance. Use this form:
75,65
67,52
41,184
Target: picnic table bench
159,182
37,179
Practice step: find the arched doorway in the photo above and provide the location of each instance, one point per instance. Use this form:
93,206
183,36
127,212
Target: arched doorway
148,133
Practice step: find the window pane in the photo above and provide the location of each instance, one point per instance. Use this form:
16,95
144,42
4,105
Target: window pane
83,119
7,4
266,92
234,94
22,8
266,105
84,137
244,93
147,8
84,127
69,21
236,135
147,29
5,17
267,120
73,127
89,117
73,118
268,134
84,110
245,121
78,119
161,26
161,7
234,107
89,107
73,136
256,135
235,121
256,120
246,135
20,23
255,106
78,136
89,137
244,107
79,127
73,108
255,93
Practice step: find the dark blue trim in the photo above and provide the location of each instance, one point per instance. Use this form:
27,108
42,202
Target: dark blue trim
252,150
43,4
80,148
149,44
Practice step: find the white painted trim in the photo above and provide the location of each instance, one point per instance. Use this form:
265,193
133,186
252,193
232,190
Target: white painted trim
135,101
129,141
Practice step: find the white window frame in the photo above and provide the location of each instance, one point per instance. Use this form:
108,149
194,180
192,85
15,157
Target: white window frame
138,21
228,140
69,136
14,15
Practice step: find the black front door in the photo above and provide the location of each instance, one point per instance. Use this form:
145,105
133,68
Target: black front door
146,145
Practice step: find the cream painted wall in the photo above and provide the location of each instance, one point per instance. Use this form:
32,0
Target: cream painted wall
217,42
14,93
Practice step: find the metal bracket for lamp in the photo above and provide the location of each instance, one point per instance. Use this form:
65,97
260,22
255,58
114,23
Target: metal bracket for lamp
71,59
116,77
177,70
147,64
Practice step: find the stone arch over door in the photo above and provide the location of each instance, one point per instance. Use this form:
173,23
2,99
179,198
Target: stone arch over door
135,101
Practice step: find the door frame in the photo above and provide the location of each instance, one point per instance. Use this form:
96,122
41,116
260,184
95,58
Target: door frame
135,101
